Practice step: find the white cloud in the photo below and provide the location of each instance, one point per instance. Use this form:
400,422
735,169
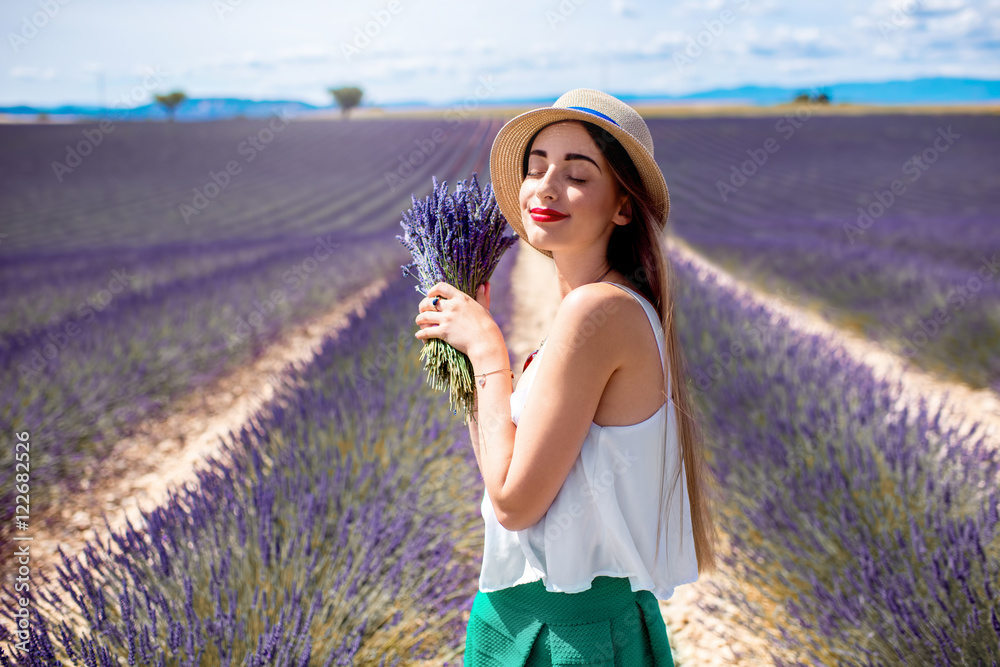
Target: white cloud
26,73
294,51
622,8
957,24
886,51
932,7
665,41
305,53
790,41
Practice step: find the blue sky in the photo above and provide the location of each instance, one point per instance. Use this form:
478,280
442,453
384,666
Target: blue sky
58,51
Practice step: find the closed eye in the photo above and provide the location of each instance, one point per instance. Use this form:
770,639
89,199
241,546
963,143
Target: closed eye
575,180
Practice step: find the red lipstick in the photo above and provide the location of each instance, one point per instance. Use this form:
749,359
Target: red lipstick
546,215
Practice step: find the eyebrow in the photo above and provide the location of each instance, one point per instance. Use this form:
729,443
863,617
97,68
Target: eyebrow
569,156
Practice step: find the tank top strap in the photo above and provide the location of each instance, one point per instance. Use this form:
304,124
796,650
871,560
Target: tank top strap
651,315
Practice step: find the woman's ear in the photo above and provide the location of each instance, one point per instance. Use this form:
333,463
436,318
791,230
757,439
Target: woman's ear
624,214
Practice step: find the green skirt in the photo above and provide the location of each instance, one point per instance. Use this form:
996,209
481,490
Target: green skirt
527,626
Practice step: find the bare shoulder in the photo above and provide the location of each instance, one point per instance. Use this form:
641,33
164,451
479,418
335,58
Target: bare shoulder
596,299
600,311
593,299
620,317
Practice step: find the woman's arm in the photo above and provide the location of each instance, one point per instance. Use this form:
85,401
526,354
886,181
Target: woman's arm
493,432
582,351
474,429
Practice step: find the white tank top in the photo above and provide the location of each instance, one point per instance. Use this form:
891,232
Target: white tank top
603,520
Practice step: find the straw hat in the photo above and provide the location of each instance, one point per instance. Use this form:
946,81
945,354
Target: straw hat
608,112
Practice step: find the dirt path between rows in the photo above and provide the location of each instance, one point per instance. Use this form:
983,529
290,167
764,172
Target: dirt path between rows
700,638
962,405
166,453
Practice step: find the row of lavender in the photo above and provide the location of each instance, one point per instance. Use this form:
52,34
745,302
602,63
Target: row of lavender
859,535
888,223
344,531
120,225
114,307
139,186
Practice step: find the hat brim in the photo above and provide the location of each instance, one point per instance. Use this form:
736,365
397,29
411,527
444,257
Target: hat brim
507,155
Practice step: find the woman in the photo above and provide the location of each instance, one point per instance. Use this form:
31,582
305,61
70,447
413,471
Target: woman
576,554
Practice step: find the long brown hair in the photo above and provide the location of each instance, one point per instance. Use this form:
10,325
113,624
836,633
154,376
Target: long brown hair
636,250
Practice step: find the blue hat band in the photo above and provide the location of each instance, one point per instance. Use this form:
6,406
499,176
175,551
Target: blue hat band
596,113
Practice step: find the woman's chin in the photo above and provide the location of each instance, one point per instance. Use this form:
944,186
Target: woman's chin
540,241
538,232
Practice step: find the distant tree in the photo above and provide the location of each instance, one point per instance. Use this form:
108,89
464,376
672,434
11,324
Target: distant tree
171,101
347,98
805,98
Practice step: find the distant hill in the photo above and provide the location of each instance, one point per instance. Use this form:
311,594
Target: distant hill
936,90
191,109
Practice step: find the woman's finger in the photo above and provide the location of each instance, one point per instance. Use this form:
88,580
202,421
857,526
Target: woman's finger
444,290
427,317
430,331
427,305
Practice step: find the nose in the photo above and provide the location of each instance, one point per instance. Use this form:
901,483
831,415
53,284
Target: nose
544,187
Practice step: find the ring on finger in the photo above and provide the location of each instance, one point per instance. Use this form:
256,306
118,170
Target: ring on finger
435,302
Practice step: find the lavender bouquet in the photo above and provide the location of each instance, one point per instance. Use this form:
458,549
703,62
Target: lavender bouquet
456,239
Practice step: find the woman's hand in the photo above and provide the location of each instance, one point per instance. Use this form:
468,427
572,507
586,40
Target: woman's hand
459,320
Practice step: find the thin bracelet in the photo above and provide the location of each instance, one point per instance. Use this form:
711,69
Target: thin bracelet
482,382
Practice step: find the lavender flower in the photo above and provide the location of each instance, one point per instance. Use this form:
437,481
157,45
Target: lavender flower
456,239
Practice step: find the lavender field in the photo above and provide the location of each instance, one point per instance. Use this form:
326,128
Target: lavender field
859,535
343,532
889,225
346,529
117,299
